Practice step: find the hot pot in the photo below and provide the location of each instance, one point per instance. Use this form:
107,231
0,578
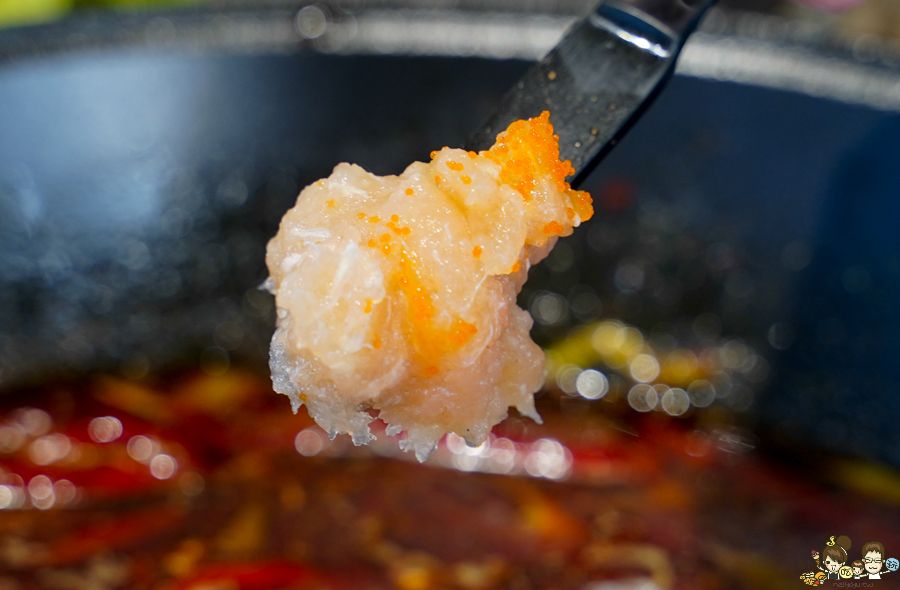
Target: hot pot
145,160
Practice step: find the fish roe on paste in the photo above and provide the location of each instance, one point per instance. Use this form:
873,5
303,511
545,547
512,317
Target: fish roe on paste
423,331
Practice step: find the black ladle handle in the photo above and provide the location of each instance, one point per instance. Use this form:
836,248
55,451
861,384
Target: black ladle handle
600,77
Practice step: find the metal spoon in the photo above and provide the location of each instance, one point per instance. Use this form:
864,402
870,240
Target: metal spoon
598,80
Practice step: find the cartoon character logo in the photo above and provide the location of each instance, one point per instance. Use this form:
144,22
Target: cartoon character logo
832,562
833,557
873,560
813,578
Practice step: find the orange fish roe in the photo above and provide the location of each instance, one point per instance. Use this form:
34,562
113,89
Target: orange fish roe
528,150
445,348
430,343
461,333
582,202
553,228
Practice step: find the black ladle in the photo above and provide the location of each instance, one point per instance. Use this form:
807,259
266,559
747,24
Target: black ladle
600,78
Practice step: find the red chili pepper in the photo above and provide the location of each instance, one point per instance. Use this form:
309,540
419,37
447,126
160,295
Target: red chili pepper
118,533
252,576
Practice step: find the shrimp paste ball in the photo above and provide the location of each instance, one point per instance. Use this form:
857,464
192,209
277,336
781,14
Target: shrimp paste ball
396,295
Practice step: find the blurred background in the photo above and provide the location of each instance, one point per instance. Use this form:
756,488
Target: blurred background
745,227
861,17
721,338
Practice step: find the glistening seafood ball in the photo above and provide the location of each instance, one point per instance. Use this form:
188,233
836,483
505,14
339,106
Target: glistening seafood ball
398,294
